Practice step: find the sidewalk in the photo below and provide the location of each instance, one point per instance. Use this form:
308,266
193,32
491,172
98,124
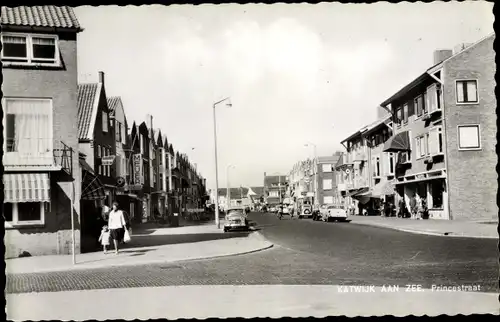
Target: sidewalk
450,228
150,245
248,301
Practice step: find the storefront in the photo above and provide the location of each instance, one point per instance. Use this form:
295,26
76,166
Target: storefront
430,188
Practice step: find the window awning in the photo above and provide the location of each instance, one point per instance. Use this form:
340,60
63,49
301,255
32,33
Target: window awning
398,142
383,188
26,187
357,192
92,188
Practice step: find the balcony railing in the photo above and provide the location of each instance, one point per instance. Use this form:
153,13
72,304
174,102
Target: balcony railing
36,153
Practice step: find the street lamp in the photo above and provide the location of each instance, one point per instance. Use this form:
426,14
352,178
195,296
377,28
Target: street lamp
229,166
216,165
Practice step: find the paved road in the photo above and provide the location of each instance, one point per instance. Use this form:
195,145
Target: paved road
306,252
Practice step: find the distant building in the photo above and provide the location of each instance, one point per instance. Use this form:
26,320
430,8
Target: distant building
274,188
327,182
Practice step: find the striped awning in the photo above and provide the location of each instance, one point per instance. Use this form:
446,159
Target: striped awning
92,188
26,187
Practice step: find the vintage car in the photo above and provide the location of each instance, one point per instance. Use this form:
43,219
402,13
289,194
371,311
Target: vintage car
236,218
305,211
335,213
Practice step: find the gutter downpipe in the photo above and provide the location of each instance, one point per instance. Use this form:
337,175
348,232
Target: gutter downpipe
445,140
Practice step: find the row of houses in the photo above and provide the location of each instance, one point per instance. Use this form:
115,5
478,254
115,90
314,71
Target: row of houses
68,147
434,141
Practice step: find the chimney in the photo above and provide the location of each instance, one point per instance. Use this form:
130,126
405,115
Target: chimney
101,78
458,48
441,55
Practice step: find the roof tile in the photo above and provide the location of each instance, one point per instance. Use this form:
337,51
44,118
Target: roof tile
40,16
87,94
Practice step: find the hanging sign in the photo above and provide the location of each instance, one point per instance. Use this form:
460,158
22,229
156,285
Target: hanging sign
137,162
108,160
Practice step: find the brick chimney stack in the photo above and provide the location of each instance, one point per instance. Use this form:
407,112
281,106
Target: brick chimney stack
101,77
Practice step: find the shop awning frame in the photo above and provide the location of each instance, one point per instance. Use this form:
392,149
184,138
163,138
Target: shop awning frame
92,188
398,143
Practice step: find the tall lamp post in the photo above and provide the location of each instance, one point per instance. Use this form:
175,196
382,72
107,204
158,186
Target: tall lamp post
217,222
315,170
229,166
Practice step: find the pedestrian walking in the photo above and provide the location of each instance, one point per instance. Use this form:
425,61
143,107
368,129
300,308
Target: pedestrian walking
413,206
104,238
116,225
387,209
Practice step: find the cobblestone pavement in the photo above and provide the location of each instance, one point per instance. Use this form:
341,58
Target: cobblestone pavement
311,253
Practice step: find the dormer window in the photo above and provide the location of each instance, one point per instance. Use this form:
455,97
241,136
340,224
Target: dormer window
30,49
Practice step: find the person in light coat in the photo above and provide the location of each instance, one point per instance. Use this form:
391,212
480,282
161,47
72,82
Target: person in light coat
116,225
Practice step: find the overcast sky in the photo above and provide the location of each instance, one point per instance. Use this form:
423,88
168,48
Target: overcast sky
295,73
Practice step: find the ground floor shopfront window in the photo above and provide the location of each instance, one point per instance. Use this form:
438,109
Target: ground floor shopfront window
24,213
431,192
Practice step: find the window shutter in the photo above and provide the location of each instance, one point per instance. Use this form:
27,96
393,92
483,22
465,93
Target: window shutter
433,141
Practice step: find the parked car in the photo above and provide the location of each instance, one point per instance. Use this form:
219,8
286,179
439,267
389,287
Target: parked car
305,211
318,215
335,213
236,218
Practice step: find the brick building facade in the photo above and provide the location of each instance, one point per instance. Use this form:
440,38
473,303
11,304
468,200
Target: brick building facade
40,137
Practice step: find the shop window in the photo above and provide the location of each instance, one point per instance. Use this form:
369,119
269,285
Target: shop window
437,190
469,137
24,213
466,91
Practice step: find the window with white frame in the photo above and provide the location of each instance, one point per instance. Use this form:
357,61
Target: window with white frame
405,113
433,101
327,184
28,125
419,105
466,91
30,49
435,141
124,134
118,131
273,194
327,167
421,145
399,116
104,121
469,137
24,213
391,163
376,166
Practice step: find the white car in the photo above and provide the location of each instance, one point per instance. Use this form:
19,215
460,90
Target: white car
236,218
335,213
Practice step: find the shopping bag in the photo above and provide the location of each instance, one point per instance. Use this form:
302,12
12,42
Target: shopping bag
126,236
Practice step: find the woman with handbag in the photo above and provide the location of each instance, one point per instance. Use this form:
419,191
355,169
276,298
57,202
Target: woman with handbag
117,225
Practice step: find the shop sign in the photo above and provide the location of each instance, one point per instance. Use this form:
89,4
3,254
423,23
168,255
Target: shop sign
108,160
420,176
137,162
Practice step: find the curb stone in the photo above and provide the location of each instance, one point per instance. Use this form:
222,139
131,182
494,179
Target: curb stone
162,261
423,232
